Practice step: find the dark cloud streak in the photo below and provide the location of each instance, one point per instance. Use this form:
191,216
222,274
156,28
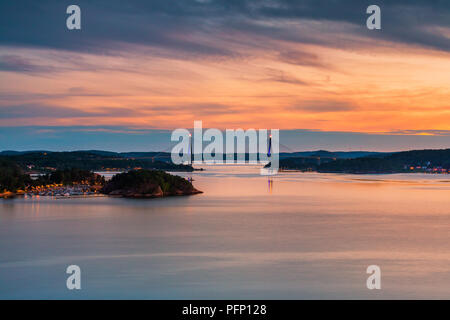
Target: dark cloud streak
16,63
193,28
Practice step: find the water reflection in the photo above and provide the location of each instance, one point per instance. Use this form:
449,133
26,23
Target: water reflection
270,184
313,237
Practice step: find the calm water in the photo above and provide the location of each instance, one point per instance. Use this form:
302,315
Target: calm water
303,235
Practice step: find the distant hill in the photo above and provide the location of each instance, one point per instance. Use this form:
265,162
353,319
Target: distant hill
15,153
407,161
164,156
439,157
101,153
334,154
139,154
320,160
87,160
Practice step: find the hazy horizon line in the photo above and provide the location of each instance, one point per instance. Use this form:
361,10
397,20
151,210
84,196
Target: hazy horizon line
168,152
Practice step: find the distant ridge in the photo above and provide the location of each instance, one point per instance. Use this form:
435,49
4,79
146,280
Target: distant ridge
321,161
334,154
94,160
430,161
14,153
166,155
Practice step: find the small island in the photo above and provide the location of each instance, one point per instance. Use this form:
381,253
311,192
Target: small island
148,184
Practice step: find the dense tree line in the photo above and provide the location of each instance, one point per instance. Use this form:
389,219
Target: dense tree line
90,161
390,163
437,158
363,165
12,177
303,163
70,177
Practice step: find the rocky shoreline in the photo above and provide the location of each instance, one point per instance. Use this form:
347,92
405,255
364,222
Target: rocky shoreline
158,193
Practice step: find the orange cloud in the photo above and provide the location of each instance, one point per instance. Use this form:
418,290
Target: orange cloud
292,86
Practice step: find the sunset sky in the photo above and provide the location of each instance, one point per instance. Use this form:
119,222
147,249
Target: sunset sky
139,69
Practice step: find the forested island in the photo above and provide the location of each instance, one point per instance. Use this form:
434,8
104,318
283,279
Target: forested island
428,161
148,184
